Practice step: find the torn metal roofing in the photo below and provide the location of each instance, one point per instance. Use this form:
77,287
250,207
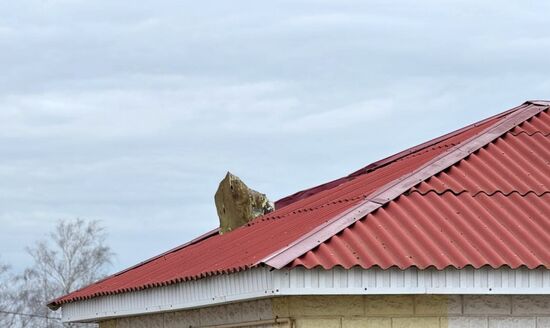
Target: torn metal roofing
472,197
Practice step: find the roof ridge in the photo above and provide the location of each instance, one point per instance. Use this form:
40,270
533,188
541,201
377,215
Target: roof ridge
395,188
305,193
302,209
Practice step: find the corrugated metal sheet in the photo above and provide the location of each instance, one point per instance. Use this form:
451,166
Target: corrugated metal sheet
248,246
538,124
437,143
444,230
260,283
491,208
517,162
397,187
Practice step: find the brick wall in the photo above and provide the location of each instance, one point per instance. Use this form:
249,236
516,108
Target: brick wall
422,311
214,315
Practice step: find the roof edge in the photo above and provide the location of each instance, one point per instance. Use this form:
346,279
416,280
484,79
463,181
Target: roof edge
56,303
392,190
284,282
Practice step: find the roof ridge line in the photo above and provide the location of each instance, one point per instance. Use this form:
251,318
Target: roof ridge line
392,158
398,186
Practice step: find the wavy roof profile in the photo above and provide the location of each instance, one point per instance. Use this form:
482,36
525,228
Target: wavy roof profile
475,197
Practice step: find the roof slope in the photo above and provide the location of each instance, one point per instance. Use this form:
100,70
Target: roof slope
490,208
439,204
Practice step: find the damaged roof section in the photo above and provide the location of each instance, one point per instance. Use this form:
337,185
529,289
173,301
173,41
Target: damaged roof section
447,202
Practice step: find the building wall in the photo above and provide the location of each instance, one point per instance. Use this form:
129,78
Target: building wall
421,311
214,315
261,282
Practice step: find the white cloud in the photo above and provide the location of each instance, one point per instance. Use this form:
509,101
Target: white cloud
357,115
132,112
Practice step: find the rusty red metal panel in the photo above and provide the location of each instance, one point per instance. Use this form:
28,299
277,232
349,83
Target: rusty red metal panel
446,220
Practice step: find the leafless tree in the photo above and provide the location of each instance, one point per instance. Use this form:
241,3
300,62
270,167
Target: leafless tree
74,255
7,317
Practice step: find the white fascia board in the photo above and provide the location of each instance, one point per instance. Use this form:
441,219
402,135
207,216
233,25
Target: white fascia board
264,283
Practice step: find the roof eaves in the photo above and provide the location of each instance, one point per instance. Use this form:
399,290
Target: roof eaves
56,303
397,187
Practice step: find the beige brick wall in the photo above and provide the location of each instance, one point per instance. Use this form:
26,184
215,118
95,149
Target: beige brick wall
420,311
214,315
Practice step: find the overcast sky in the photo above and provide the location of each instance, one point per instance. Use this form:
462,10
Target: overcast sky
130,112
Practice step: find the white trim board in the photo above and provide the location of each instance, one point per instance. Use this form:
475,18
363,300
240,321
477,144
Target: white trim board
262,283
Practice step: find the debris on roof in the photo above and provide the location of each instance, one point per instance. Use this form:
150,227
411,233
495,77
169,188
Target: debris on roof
237,204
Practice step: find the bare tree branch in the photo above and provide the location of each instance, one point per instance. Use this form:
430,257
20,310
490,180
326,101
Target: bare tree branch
74,255
6,297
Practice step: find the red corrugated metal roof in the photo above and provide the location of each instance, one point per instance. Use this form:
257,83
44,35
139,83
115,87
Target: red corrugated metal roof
443,230
491,208
308,230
